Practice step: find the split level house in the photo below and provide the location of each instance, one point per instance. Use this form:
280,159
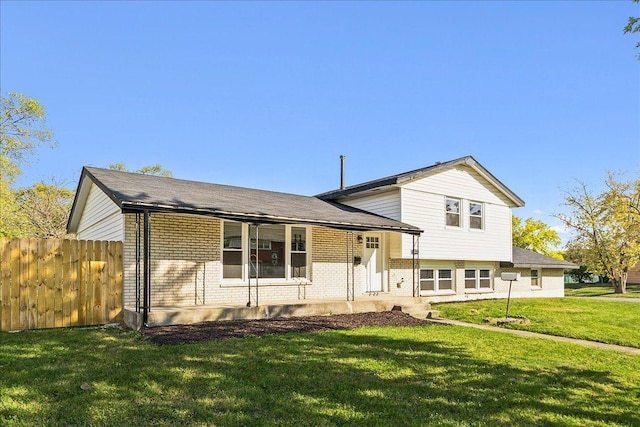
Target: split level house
440,233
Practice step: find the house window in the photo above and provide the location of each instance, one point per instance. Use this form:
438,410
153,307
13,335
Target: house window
475,215
269,257
232,251
373,242
477,278
268,251
435,280
262,244
452,209
298,252
535,278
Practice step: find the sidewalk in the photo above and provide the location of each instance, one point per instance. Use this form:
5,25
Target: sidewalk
594,344
625,299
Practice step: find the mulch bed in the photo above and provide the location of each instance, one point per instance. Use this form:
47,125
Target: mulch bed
207,331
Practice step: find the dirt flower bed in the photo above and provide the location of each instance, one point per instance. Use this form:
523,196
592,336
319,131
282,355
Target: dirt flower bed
207,331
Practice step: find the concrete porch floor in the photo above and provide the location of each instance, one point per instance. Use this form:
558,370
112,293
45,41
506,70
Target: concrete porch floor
162,316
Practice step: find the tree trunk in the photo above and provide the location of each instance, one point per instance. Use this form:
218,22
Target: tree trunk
620,284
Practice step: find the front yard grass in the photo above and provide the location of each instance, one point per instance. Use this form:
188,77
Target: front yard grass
400,376
600,290
612,322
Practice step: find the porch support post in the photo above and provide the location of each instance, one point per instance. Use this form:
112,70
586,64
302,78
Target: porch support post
350,268
346,235
138,269
147,268
415,252
353,270
257,264
251,265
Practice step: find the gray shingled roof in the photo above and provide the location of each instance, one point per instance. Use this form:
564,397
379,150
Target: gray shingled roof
404,177
137,192
523,258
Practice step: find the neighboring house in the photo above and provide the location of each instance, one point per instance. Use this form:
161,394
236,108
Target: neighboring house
634,274
442,233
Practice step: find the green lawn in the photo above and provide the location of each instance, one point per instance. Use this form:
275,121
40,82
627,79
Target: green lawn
599,290
420,376
613,322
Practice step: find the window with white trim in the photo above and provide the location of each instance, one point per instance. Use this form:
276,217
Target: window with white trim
372,242
535,278
476,215
477,278
436,280
452,212
232,251
269,257
264,252
298,252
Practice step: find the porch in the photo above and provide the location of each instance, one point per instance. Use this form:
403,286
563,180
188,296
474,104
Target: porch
163,316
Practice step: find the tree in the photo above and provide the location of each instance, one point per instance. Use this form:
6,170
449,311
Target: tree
22,128
536,236
47,206
633,26
606,228
157,169
575,255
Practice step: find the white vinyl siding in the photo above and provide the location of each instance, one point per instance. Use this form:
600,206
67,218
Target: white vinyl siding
462,182
423,205
101,218
386,204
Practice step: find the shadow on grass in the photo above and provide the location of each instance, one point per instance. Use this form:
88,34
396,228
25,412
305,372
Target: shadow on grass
600,290
393,376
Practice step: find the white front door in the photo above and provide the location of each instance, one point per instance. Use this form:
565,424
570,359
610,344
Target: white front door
373,262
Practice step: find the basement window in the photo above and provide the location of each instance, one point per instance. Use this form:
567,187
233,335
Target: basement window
477,278
436,280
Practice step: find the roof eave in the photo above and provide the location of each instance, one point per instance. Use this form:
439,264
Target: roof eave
404,178
130,207
81,196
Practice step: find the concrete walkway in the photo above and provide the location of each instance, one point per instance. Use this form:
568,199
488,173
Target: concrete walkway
594,344
626,299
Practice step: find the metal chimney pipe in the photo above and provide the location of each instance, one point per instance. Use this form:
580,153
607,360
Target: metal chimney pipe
342,172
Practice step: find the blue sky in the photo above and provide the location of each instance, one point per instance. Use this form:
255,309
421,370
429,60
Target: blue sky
269,95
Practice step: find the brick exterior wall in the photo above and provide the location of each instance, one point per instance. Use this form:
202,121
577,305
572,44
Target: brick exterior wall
401,277
331,266
186,267
185,259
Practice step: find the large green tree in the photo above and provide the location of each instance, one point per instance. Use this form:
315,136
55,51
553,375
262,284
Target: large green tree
536,236
23,127
606,227
46,207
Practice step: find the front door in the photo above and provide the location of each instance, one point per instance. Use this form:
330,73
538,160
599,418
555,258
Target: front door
373,262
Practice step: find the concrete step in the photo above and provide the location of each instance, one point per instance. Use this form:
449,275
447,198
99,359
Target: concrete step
421,312
426,314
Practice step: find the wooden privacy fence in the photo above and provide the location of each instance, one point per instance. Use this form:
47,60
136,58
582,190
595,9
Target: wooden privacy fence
52,283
